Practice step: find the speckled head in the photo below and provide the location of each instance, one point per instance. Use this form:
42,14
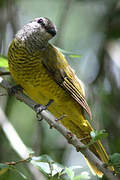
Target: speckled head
37,33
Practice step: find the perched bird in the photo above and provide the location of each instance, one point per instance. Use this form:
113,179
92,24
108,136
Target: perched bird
44,73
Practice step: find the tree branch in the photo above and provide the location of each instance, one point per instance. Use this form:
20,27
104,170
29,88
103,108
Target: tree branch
71,138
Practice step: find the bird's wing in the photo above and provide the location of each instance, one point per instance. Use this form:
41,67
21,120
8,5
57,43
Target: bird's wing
75,87
64,75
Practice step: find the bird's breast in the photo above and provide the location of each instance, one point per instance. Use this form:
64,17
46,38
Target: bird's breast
28,71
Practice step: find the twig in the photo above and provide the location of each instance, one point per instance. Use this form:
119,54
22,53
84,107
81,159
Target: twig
18,162
51,120
3,94
4,73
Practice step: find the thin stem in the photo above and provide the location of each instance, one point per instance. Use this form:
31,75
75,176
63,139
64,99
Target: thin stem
4,73
18,162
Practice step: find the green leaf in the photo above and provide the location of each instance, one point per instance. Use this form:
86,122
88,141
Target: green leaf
114,160
75,56
56,177
30,151
20,173
46,165
69,53
70,173
4,63
84,175
97,135
70,169
43,158
3,168
75,167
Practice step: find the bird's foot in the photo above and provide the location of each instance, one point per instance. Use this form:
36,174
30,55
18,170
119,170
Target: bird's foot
39,108
14,90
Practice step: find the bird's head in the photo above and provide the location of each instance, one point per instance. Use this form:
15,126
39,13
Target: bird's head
37,32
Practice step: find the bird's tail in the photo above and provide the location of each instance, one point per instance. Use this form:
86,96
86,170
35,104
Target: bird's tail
100,152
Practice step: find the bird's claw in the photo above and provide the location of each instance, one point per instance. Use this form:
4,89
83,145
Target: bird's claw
39,108
14,89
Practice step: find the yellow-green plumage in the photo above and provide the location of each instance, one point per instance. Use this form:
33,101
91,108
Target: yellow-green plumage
45,74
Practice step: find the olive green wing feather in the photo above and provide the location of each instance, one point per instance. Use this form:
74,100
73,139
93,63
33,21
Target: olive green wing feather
64,75
74,86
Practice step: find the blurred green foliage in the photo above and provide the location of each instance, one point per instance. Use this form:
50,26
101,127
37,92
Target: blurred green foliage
4,63
114,160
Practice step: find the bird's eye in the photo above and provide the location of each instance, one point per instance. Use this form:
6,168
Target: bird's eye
40,21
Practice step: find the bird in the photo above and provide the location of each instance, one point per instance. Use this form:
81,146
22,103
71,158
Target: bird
44,73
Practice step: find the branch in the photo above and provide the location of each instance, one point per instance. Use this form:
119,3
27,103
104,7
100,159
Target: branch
18,162
71,138
4,73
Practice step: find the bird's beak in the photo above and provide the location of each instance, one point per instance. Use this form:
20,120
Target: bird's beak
52,31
